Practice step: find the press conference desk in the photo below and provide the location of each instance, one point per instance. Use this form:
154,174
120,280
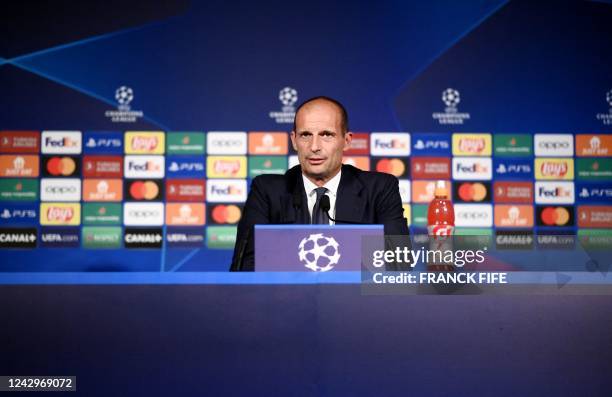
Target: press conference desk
312,339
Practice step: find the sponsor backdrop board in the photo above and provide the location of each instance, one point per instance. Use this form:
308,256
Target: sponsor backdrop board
104,168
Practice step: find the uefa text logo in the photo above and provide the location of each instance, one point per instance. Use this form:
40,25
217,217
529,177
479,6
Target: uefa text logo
451,115
124,96
473,215
288,97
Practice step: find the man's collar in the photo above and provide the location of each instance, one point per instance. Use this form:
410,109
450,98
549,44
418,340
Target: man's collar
331,185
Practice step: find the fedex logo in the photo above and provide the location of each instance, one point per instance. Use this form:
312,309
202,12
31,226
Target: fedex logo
390,144
226,190
472,168
146,167
554,193
61,142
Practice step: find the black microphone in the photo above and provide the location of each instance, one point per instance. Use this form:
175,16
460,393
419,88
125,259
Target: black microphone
325,206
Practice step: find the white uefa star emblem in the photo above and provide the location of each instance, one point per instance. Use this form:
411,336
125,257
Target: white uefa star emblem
451,97
609,97
124,95
288,96
319,253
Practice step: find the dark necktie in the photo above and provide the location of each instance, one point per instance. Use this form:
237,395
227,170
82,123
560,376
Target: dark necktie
319,217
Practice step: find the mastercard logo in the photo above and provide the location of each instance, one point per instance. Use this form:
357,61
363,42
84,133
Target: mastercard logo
61,166
391,166
226,214
555,216
472,192
144,190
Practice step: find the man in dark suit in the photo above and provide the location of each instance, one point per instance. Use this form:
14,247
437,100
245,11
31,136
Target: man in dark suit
320,135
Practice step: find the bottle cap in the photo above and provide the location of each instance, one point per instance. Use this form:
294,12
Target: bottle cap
440,190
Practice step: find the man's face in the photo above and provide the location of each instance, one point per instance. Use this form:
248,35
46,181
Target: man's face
319,141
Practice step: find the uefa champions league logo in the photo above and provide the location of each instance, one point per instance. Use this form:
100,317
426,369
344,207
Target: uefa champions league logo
124,95
606,118
288,97
319,253
451,98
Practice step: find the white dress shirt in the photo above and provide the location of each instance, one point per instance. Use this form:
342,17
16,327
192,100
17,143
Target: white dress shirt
332,192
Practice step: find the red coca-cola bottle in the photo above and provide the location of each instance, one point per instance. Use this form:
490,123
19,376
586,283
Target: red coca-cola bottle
440,227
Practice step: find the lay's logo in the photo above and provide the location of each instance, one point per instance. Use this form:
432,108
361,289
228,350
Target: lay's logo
472,144
138,142
551,168
60,214
226,167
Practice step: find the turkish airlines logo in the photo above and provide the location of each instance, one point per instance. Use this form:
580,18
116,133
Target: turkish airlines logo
144,142
228,191
360,145
103,166
551,145
143,214
52,189
554,168
431,167
145,167
58,214
473,215
595,216
472,144
390,144
61,142
513,192
468,168
554,192
226,142
185,190
19,142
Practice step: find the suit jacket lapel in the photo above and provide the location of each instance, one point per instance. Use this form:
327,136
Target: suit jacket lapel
350,202
295,186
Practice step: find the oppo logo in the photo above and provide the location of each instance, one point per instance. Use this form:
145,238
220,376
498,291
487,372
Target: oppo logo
554,145
143,213
227,143
472,215
60,189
